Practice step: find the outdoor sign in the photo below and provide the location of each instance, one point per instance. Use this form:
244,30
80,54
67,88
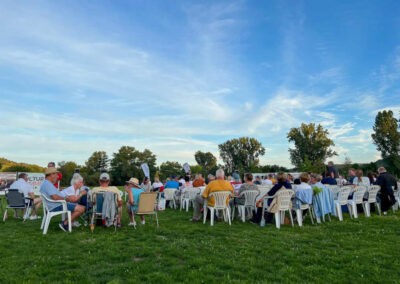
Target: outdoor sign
36,180
145,169
6,179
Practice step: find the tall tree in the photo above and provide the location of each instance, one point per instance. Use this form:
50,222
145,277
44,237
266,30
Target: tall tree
241,154
169,168
311,147
386,137
67,169
206,160
126,164
97,162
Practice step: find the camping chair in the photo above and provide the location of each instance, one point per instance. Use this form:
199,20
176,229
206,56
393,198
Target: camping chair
342,199
97,210
283,204
47,214
358,195
148,205
16,200
249,203
372,193
221,203
188,196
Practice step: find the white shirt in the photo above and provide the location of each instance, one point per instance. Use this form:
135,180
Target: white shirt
69,191
22,186
364,181
266,182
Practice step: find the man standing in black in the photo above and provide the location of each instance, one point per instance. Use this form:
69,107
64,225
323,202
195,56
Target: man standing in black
387,182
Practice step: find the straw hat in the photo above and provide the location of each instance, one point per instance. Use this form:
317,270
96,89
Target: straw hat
134,181
50,171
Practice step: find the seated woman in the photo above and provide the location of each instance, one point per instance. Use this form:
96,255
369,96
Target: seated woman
157,185
247,185
303,191
77,189
134,191
281,183
360,179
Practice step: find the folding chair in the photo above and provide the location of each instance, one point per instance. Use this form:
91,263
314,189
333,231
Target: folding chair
97,199
15,200
148,205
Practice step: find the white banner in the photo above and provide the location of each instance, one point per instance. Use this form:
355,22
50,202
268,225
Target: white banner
36,180
146,170
186,167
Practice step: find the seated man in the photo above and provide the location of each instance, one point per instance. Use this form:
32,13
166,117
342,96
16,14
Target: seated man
198,180
50,191
328,179
105,187
24,187
220,184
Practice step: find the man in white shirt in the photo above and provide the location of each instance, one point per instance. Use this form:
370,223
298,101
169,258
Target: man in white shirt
24,187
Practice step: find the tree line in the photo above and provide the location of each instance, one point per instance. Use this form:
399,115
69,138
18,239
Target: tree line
311,148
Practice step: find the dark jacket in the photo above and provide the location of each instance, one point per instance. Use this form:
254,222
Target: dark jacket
386,181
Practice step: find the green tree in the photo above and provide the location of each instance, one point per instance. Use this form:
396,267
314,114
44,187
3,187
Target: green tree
311,147
126,163
97,162
386,137
206,160
241,154
17,168
169,168
67,169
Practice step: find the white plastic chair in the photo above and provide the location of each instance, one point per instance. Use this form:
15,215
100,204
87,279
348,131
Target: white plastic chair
335,190
299,213
47,215
372,193
342,199
169,195
358,195
188,196
249,203
284,199
221,199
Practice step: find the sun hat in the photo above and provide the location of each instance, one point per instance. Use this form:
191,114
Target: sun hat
104,176
134,181
50,171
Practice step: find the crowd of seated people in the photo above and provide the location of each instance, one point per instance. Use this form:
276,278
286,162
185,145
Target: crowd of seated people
76,195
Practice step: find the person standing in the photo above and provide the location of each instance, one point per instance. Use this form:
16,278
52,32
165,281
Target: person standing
387,182
332,170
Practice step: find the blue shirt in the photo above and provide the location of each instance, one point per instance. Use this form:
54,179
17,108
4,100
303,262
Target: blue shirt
329,180
48,189
136,192
172,184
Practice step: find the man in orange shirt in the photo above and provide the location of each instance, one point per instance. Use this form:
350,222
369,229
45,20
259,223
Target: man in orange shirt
199,181
220,184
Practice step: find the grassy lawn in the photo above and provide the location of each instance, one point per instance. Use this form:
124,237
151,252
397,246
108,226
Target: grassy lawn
365,250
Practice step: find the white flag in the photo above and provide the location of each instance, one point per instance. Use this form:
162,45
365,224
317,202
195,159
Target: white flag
186,167
146,170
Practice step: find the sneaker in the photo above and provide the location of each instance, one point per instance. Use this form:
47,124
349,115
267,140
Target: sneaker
132,224
76,224
385,213
34,217
143,222
63,226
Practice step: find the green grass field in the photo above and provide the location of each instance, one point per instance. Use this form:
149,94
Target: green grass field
362,250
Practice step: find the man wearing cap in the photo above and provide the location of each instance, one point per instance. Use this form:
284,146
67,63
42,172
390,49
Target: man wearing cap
134,191
105,186
50,191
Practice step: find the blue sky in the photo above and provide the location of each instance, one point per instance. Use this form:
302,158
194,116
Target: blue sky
182,76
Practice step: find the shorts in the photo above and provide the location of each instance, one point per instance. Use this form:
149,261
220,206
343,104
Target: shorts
70,207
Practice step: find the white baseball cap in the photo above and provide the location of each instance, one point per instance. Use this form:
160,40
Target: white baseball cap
104,176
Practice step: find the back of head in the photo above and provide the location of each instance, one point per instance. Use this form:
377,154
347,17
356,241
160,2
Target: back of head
381,170
281,177
76,178
22,175
248,177
304,177
220,174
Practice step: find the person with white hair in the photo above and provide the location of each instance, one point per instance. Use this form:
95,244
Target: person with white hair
387,182
220,184
76,189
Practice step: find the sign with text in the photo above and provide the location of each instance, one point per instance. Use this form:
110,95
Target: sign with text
36,180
